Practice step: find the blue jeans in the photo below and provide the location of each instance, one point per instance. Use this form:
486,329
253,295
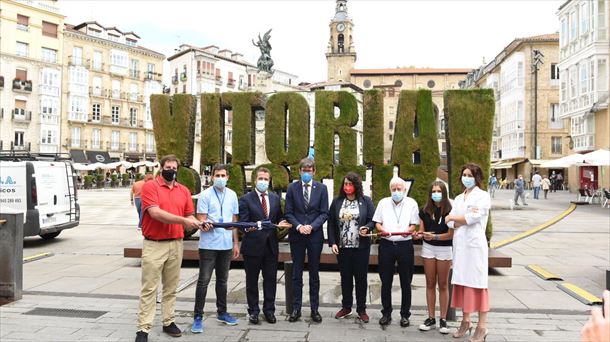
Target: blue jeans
536,192
138,203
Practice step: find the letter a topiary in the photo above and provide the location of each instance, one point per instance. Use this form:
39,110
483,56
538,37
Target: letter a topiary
414,148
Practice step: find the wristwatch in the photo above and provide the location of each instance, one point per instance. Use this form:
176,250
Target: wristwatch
436,237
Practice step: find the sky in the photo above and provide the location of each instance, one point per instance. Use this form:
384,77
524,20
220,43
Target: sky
387,34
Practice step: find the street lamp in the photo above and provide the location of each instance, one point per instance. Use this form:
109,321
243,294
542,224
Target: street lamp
536,62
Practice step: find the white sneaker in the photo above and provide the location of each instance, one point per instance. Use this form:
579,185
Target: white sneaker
429,323
443,327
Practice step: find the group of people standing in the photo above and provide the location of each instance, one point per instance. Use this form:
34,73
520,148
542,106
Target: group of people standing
452,233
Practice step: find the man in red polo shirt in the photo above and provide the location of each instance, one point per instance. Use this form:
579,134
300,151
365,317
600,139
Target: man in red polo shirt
166,208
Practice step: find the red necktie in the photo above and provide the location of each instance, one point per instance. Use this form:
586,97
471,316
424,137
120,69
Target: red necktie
264,202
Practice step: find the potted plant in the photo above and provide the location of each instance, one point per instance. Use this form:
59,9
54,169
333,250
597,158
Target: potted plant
99,181
88,182
125,177
114,180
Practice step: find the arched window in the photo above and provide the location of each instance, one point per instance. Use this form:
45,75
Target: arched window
341,43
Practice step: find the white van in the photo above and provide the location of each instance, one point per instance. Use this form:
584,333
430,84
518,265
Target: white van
43,191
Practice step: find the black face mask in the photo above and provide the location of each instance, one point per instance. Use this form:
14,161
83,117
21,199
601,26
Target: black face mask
168,175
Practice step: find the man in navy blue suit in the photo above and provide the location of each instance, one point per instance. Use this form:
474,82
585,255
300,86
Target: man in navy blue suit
259,248
306,210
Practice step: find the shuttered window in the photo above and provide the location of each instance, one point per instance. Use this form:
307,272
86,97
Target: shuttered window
21,74
49,29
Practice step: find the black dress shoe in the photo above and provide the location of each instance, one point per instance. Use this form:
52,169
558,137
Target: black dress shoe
385,320
404,322
294,316
315,316
270,318
253,319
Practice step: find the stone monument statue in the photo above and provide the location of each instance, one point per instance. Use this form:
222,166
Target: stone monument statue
265,63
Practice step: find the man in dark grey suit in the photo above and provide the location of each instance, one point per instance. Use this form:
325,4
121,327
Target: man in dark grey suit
306,210
260,247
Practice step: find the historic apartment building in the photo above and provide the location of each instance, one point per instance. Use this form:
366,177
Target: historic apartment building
197,70
527,105
30,75
341,57
585,74
108,80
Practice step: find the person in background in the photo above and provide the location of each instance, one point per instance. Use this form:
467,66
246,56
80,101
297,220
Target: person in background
136,190
396,214
351,217
437,253
520,190
493,184
167,210
559,182
553,179
546,185
536,183
468,217
217,246
306,210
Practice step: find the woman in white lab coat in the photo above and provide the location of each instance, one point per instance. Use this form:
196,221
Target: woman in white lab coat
469,218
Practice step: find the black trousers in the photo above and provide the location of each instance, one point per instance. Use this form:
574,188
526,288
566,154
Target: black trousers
297,251
353,265
390,254
253,265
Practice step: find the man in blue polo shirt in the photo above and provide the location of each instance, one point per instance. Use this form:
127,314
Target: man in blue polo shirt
216,246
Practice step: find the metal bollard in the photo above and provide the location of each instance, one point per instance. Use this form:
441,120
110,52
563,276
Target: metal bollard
11,252
450,310
288,286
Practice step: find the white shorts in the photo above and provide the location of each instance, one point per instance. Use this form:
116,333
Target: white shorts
429,251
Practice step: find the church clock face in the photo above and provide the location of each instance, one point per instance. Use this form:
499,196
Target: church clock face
340,27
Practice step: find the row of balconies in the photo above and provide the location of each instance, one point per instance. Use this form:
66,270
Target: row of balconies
25,146
121,122
117,95
182,77
110,146
114,69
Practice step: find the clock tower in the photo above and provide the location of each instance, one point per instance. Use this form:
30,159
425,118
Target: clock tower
341,52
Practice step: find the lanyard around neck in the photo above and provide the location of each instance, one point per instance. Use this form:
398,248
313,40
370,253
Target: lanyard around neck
219,201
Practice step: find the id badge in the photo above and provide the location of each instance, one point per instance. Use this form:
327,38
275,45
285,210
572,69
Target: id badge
221,220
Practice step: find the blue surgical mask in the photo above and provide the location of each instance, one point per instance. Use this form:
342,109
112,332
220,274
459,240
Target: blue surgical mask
397,196
306,177
468,182
262,185
436,196
220,183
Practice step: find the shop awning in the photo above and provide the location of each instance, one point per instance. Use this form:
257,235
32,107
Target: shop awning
507,164
78,156
537,162
133,157
98,157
